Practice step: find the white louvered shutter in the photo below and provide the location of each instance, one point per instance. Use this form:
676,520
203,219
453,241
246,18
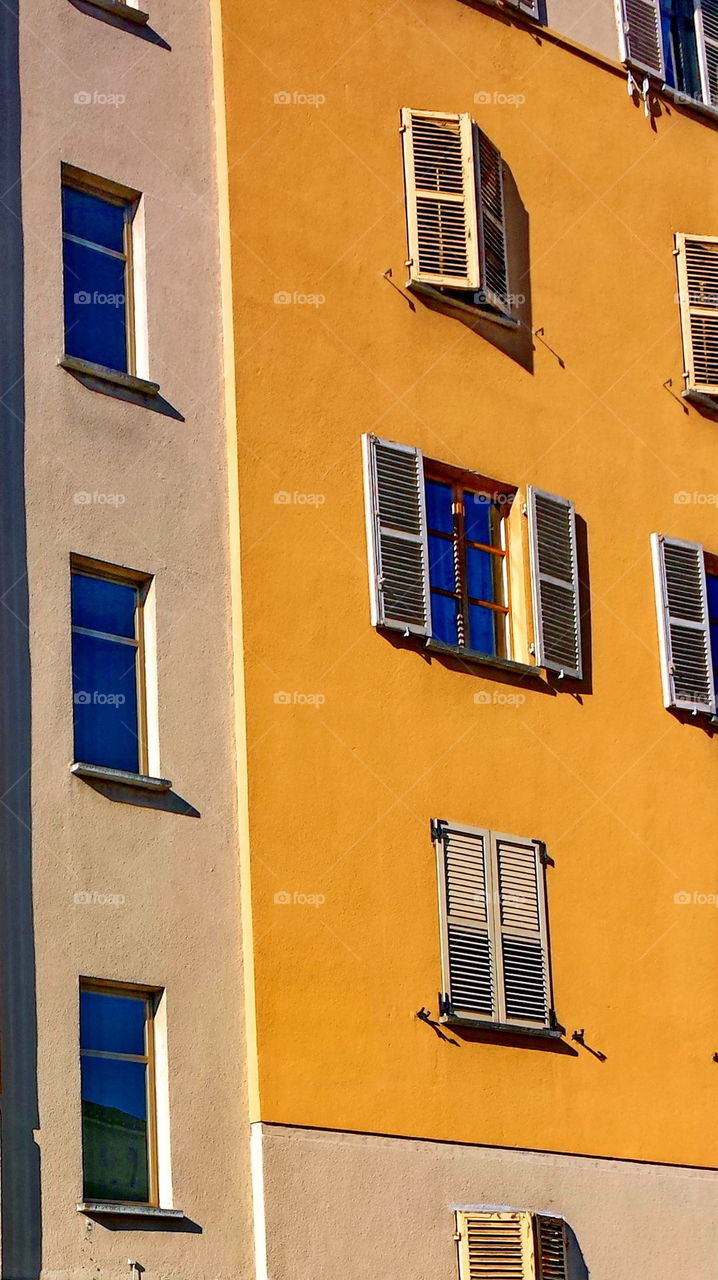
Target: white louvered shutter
440,199
396,536
494,261
530,7
465,912
639,25
683,627
551,1248
707,38
523,955
554,582
698,296
495,1246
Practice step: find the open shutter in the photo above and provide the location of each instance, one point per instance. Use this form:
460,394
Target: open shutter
396,536
530,7
440,199
698,297
641,39
707,40
465,913
521,907
495,1246
683,627
554,582
494,263
551,1248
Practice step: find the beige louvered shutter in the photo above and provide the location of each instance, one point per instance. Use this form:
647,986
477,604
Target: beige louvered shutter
524,973
707,39
683,626
551,1248
494,262
440,199
466,918
396,536
639,25
495,1246
698,297
554,582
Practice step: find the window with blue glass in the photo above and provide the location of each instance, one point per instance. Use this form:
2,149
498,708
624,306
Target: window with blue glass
108,670
690,46
97,243
468,564
118,1093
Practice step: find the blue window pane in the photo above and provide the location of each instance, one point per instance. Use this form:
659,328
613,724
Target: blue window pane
441,563
444,619
114,1130
478,518
712,585
93,219
714,653
95,327
438,506
480,569
105,702
112,1024
101,605
482,629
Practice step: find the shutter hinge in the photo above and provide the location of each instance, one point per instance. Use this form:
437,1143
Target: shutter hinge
532,650
457,1234
437,829
524,509
402,128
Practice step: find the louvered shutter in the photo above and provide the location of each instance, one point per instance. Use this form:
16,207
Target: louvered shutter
641,38
683,627
523,955
495,1246
554,582
396,536
494,263
440,199
551,1248
698,296
707,39
466,918
529,7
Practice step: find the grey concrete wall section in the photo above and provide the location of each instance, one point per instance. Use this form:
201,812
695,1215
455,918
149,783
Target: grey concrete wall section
593,25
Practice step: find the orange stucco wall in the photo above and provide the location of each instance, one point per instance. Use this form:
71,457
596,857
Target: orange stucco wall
341,793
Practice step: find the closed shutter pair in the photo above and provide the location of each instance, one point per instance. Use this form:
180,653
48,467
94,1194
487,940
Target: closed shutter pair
642,41
511,1246
399,557
683,624
494,929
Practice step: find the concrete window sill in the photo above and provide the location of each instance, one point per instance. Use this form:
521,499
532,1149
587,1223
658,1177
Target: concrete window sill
128,381
451,304
545,1033
485,659
102,774
121,10
108,1209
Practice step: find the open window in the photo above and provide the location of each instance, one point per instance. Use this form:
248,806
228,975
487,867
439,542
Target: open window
520,1245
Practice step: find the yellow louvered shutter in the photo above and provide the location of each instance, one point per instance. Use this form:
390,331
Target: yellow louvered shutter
493,254
495,1246
551,1248
397,540
554,582
698,296
522,927
466,916
440,199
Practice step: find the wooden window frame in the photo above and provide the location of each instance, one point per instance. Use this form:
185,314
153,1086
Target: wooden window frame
140,582
151,997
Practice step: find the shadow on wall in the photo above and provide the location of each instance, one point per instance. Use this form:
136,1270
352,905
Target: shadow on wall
577,1269
19,1154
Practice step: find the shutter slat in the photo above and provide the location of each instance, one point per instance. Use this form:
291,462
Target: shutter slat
396,536
440,199
554,580
641,36
683,627
522,917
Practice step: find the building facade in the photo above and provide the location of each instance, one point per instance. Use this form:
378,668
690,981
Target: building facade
469,253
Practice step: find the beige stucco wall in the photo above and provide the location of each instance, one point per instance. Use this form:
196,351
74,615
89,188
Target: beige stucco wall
378,1206
177,926
593,25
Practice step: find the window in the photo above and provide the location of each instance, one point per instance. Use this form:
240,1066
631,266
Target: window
494,930
119,1154
674,41
525,1246
697,261
108,667
439,548
455,209
98,276
686,585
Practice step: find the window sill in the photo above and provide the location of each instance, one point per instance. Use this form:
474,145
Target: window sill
691,104
112,1209
103,774
120,10
503,1028
449,303
484,659
703,398
126,380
